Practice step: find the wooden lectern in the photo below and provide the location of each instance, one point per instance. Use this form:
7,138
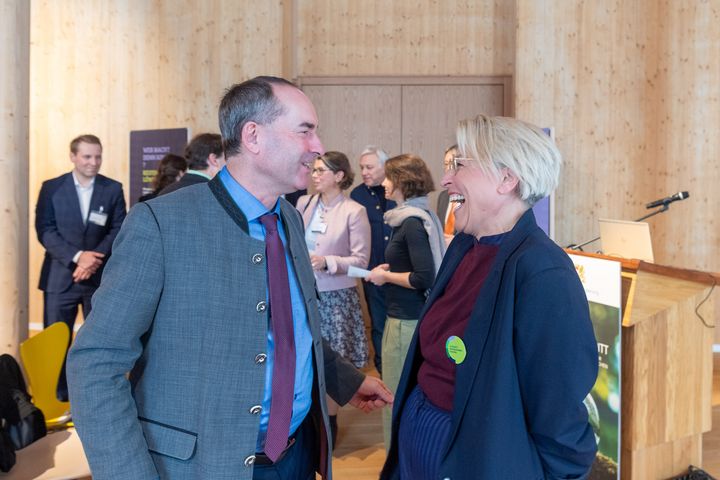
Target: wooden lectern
666,368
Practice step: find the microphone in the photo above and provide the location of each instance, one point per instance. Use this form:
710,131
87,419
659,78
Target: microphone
667,200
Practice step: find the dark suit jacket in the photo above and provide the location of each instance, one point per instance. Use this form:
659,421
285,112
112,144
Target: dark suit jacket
60,228
182,307
293,197
185,181
518,409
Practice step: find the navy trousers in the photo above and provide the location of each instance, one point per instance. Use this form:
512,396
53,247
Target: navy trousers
63,307
423,434
299,461
375,299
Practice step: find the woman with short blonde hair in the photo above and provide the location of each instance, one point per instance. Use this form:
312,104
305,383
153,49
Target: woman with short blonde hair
504,355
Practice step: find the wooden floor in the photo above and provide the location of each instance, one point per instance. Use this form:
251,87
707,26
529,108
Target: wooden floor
360,452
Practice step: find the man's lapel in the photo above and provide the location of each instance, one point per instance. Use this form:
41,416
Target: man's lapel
69,194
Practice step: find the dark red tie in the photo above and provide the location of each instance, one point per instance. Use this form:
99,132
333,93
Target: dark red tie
281,323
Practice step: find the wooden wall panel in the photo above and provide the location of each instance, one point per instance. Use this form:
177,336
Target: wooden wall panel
14,112
687,123
581,71
93,68
209,46
630,87
111,67
412,37
632,90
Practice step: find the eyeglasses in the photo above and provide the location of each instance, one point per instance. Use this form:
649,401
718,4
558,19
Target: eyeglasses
455,163
319,171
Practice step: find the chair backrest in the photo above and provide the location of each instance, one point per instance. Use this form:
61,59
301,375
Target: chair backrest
43,356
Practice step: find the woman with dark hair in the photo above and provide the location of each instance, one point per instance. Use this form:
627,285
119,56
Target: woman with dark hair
337,233
171,168
413,256
504,353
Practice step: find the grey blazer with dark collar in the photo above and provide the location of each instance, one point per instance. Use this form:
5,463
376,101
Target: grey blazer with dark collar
180,308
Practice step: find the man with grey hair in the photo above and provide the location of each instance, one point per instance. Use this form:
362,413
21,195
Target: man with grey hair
205,362
371,195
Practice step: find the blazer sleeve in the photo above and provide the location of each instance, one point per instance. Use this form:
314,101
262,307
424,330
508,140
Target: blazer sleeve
359,242
47,229
557,363
117,216
342,379
107,347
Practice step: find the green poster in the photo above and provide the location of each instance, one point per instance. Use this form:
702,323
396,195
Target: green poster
602,282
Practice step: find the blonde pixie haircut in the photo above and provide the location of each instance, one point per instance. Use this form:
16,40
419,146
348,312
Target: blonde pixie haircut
503,142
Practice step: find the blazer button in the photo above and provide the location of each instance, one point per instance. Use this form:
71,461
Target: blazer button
260,358
255,409
377,207
261,306
249,460
257,258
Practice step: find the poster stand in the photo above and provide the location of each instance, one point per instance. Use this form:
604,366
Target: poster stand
667,364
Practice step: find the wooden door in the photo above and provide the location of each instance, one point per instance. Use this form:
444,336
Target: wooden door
402,115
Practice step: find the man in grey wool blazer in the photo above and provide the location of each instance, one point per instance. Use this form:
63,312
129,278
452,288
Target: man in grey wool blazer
191,324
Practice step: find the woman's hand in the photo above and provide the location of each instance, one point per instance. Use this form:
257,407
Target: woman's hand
377,274
318,262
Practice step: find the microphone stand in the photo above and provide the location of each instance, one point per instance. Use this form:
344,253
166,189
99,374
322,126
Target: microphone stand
663,208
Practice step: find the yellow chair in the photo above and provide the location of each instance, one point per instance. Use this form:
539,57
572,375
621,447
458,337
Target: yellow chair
43,356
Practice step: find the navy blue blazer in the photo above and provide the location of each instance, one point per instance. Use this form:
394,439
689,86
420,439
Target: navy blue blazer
60,228
185,181
518,409
375,203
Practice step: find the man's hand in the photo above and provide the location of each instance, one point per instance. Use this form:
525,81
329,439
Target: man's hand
371,395
81,274
90,261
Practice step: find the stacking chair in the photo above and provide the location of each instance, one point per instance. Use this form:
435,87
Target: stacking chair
43,356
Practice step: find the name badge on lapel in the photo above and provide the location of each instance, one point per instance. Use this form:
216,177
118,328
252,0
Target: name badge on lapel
319,228
98,217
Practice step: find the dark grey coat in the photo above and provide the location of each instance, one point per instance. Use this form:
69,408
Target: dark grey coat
178,308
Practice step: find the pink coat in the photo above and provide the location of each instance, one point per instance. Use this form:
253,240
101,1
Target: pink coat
345,242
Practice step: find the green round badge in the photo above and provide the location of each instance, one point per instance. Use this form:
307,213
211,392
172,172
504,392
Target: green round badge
455,349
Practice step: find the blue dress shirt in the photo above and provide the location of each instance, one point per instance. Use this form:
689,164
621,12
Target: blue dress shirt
253,209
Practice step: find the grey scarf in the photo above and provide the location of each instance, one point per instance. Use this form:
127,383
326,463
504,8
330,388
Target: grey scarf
419,207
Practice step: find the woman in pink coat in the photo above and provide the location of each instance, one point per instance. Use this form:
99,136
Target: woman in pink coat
337,233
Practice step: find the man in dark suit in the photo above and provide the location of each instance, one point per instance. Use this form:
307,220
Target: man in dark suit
371,195
77,217
204,155
203,356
